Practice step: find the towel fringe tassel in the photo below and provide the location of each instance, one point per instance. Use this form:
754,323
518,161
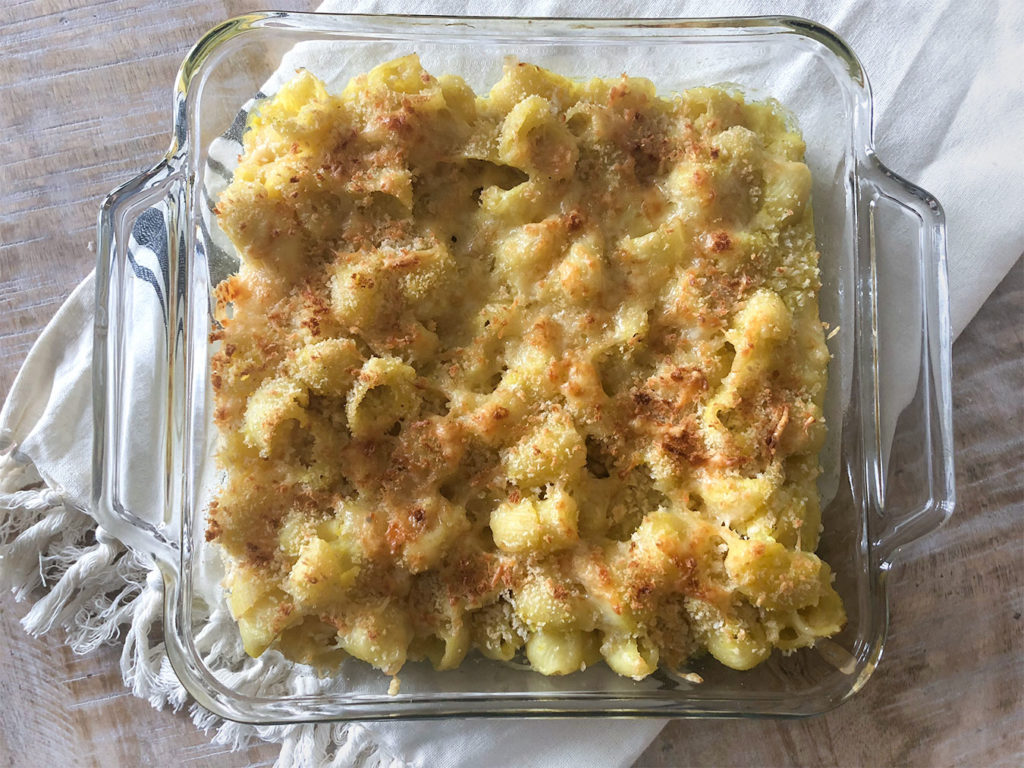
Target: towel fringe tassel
78,578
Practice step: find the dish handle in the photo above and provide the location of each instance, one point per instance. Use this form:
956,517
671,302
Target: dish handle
906,310
136,269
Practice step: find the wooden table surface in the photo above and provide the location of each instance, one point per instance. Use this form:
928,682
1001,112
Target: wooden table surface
84,105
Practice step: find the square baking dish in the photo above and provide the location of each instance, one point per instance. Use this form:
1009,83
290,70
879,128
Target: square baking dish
888,466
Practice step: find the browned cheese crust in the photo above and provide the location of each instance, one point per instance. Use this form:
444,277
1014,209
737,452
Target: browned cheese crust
542,368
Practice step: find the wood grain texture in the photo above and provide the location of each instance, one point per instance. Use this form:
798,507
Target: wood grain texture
85,105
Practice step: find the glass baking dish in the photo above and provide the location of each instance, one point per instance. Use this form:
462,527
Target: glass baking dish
888,464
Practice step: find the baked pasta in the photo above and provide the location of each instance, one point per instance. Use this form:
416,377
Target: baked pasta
537,373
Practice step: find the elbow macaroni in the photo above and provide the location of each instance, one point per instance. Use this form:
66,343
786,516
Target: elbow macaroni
538,372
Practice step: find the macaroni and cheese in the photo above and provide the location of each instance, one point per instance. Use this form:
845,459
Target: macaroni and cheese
538,372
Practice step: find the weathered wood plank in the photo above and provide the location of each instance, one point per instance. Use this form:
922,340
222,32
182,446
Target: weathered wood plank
85,88
86,106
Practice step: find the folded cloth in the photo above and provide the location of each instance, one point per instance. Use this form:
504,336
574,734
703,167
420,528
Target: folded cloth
947,81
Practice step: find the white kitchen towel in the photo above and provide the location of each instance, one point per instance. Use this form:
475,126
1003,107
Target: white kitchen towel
947,79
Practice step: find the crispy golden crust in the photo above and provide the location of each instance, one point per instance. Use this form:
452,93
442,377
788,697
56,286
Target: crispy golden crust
540,367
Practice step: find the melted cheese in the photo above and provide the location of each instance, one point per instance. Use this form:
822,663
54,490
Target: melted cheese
541,370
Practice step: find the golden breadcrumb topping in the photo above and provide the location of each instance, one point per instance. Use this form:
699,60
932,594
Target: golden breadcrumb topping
539,370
